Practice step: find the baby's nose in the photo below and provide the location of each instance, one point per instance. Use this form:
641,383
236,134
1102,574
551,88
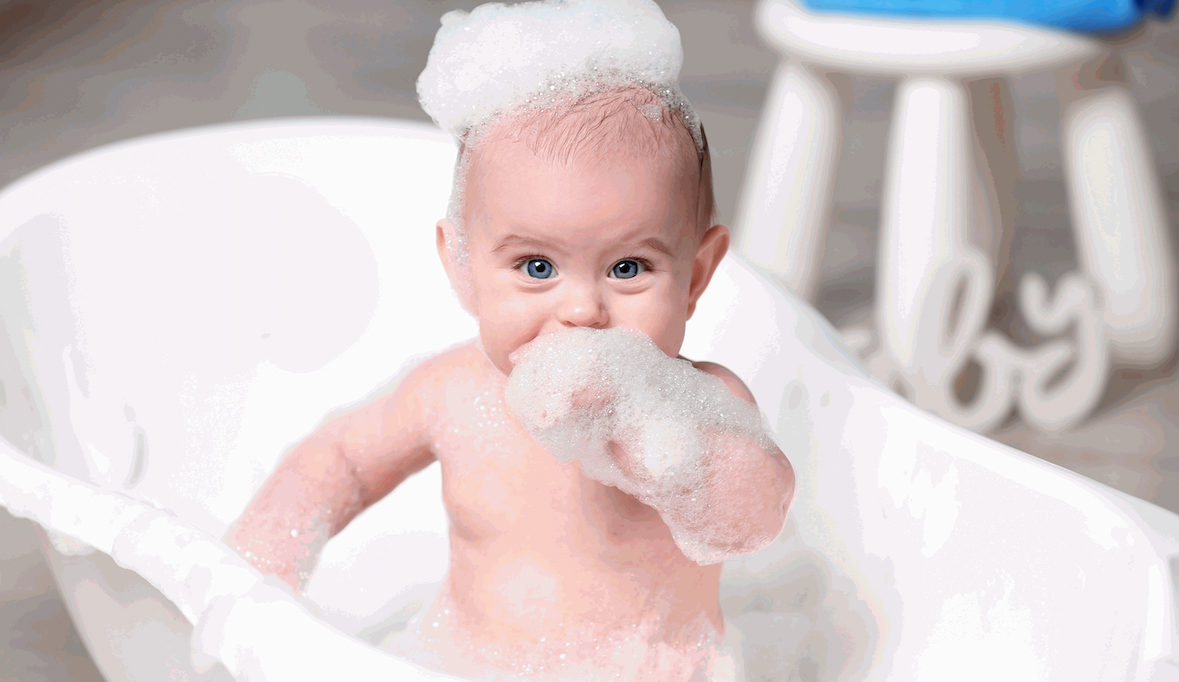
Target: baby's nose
583,307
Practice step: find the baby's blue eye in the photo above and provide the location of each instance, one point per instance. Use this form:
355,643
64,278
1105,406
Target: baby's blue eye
539,268
625,269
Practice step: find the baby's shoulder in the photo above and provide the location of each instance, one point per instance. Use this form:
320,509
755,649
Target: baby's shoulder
408,410
731,380
453,368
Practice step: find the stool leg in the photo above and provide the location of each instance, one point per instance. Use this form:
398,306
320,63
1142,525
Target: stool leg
933,289
786,197
1120,224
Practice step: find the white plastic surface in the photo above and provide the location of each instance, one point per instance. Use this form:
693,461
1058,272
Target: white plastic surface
933,286
859,43
793,164
179,310
1122,232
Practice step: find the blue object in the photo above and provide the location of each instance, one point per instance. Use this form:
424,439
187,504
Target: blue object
1086,16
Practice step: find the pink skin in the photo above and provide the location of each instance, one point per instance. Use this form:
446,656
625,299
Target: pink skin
582,219
539,553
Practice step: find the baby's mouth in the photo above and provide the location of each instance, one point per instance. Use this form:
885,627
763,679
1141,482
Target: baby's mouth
517,355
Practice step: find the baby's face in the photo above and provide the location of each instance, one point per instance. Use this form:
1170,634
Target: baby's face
595,243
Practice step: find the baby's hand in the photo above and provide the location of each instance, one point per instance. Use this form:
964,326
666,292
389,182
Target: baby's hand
563,393
673,435
604,397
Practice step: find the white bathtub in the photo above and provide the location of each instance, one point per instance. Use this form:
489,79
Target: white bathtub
179,310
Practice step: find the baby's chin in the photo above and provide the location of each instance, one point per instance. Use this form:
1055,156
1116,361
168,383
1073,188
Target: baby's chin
498,360
503,365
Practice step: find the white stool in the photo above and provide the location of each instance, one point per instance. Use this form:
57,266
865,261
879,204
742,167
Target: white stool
933,287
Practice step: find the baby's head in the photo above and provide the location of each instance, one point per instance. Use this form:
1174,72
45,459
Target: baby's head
585,203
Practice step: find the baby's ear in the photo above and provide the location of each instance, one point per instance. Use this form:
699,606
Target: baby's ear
712,249
444,235
447,242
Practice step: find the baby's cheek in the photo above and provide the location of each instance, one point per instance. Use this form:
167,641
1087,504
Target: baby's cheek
490,347
665,324
669,340
495,343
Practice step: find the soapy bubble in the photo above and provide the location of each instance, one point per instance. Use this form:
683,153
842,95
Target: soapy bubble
651,425
546,54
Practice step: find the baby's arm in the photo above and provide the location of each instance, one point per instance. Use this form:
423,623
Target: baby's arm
746,491
685,440
350,462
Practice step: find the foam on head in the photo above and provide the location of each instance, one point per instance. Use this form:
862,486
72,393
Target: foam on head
504,63
543,54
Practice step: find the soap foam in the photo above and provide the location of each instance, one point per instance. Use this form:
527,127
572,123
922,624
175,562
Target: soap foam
578,391
544,54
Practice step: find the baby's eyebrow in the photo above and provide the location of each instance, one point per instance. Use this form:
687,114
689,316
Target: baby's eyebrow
513,240
656,244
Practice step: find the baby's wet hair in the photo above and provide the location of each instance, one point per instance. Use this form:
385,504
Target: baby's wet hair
630,120
597,127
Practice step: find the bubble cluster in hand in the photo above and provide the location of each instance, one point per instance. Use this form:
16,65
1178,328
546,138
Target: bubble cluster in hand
577,391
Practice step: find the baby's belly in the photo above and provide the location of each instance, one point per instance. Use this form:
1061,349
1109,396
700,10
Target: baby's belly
444,638
529,613
516,592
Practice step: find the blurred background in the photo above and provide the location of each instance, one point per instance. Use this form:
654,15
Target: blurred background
78,75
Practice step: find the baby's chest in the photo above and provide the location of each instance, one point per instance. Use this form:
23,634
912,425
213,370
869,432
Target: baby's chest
495,478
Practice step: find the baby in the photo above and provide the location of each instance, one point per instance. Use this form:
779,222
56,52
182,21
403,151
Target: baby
594,480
